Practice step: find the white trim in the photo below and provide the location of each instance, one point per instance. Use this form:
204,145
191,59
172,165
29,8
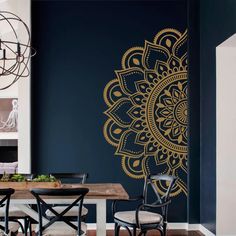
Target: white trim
193,227
8,96
184,226
205,231
225,138
93,226
8,135
110,226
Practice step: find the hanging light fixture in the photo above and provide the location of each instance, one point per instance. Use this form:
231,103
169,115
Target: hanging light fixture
15,49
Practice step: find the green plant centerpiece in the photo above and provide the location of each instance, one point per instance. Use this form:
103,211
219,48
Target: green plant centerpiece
20,182
18,178
44,178
12,178
5,177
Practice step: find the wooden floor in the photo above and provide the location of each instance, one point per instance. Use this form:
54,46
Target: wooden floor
151,233
154,233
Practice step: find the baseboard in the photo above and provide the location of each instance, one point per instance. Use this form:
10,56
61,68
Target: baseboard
110,226
93,226
205,231
186,226
194,227
183,225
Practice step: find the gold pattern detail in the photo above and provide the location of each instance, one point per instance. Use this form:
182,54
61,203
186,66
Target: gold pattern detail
148,109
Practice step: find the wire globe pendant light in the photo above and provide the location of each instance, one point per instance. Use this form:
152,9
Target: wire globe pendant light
15,49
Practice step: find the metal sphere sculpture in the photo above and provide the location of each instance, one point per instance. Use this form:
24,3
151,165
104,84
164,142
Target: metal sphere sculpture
15,49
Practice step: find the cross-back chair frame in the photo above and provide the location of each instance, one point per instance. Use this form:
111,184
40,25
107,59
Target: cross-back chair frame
81,177
78,192
26,219
162,202
5,201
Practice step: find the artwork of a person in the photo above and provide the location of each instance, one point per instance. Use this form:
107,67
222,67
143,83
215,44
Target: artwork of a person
12,120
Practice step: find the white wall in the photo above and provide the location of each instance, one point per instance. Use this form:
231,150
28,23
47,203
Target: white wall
226,138
21,89
8,5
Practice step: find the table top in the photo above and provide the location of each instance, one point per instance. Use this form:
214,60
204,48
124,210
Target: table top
109,191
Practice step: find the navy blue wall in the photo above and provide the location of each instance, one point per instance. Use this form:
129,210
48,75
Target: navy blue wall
79,46
194,113
217,21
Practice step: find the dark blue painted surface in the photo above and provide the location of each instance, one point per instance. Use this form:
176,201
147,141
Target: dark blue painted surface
79,46
217,23
194,114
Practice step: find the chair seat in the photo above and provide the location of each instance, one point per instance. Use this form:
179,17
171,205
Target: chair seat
62,229
74,211
13,212
13,226
145,217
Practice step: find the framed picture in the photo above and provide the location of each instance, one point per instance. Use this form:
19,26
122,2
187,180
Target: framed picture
8,114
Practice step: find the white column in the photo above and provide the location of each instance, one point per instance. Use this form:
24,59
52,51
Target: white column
20,89
226,138
24,144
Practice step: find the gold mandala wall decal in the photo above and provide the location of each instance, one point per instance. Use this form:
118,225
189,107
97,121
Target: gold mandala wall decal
147,114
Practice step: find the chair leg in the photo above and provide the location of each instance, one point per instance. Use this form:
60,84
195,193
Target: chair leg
142,233
164,228
30,227
12,233
134,231
117,229
130,233
161,232
21,226
25,226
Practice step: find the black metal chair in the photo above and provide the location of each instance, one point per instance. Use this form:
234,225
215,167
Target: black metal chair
7,227
59,224
144,217
15,215
69,178
64,177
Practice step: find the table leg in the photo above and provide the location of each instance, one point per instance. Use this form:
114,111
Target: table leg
101,212
30,212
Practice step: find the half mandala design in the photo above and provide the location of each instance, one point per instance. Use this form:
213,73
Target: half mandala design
148,110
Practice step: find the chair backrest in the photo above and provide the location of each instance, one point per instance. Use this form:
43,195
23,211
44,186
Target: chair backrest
78,177
5,195
152,181
78,197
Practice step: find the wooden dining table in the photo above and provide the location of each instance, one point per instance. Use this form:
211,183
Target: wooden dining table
98,194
